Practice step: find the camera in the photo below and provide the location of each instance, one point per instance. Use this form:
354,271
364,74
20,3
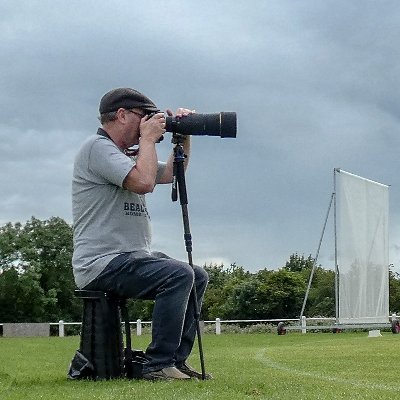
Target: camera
221,124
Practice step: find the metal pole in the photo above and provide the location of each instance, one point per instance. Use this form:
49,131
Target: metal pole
336,256
316,259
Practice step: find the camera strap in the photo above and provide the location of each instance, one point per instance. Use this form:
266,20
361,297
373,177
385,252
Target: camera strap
102,132
128,152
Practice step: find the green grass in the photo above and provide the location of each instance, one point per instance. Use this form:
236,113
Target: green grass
245,366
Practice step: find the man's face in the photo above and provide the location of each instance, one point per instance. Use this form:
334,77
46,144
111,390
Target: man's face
132,119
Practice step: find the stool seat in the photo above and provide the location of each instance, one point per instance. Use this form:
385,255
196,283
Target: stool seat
90,294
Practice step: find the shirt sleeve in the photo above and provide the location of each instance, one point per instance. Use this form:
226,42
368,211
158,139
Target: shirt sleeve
107,161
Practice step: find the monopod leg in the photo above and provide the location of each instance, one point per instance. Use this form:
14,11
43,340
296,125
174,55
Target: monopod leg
179,185
196,308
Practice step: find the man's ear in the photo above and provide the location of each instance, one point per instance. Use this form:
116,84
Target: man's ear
121,115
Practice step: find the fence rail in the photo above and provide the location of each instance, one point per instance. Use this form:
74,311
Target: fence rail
300,324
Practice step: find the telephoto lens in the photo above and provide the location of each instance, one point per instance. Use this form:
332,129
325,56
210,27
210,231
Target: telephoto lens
221,124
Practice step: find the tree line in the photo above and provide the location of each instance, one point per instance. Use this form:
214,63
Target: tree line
37,285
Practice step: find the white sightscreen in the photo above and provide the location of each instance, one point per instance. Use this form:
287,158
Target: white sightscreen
362,249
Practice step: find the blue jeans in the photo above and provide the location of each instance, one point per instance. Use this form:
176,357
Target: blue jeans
169,282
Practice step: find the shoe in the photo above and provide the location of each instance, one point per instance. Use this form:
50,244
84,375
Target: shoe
165,374
191,372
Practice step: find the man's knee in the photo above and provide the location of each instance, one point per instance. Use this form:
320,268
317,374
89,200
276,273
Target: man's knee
201,276
185,274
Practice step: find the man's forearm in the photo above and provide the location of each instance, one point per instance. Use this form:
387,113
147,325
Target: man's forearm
142,178
169,168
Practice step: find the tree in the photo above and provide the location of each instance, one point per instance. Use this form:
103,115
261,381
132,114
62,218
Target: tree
222,283
394,291
321,299
282,293
21,297
40,252
298,263
36,282
263,295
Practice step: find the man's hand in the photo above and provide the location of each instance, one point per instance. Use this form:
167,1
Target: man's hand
152,128
180,112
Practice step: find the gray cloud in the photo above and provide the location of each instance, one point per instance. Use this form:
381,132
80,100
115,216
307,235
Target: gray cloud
314,84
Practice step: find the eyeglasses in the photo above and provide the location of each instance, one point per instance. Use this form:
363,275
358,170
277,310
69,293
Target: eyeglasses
137,113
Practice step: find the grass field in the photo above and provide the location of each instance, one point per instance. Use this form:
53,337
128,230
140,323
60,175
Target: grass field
245,366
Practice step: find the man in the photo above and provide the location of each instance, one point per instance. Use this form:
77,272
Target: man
112,236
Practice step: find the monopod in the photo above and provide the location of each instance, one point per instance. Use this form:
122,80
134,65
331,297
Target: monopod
179,186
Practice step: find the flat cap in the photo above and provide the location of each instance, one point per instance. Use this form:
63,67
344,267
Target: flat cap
125,98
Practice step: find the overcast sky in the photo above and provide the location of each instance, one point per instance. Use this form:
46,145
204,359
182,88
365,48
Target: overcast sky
315,85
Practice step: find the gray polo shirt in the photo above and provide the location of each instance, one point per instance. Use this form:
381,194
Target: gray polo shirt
107,219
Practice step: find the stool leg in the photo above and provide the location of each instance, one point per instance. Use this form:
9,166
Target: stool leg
128,368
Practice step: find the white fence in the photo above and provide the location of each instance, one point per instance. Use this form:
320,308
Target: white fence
302,324
218,322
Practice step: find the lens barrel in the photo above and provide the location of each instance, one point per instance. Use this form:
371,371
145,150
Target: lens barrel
221,124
